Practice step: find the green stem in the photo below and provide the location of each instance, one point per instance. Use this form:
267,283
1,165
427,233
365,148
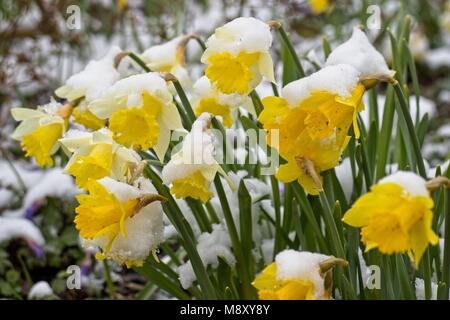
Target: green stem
329,221
256,102
247,290
109,283
184,100
139,61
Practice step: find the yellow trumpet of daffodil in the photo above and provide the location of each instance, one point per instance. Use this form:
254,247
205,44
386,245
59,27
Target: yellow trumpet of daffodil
297,275
40,130
141,112
395,216
238,56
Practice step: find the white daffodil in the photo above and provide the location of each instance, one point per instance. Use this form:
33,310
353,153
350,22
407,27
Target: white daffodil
238,56
124,221
96,155
191,170
169,57
208,99
88,84
141,112
40,130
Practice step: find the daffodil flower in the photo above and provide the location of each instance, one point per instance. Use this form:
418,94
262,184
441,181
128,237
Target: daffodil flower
297,275
208,99
88,84
40,130
169,57
141,112
96,155
191,170
312,119
319,6
238,56
124,221
395,216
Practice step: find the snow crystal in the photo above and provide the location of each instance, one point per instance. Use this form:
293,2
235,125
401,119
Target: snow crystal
338,79
411,182
360,54
11,228
40,290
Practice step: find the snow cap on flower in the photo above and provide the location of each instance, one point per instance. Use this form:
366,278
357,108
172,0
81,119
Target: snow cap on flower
395,216
40,130
89,83
361,54
297,275
95,155
120,219
191,170
340,80
208,99
141,112
169,57
237,55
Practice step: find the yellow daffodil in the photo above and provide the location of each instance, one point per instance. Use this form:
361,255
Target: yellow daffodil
238,56
95,155
395,216
123,220
312,119
141,112
169,57
208,99
191,170
83,116
297,275
319,6
40,130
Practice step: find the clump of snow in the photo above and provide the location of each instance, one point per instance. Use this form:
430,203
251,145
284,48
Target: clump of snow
11,228
51,183
244,34
359,53
420,289
414,184
338,79
162,55
145,229
40,290
96,77
197,152
345,177
292,264
438,58
210,247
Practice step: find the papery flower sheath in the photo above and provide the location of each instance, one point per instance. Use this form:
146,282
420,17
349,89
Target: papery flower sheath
238,56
